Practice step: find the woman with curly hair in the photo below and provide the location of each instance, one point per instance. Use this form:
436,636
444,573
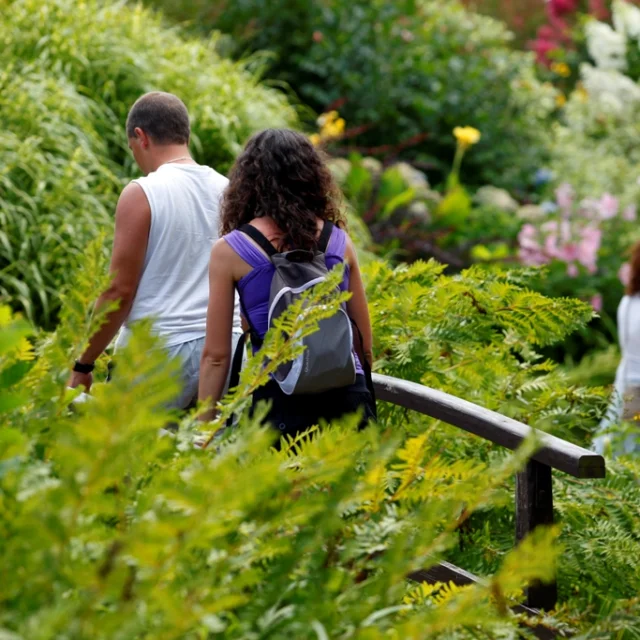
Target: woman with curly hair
282,189
625,404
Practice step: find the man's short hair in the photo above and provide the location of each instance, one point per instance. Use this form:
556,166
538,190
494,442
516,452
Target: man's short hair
162,116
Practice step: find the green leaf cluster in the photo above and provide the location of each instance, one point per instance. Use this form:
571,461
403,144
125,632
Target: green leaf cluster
402,73
70,70
478,335
113,528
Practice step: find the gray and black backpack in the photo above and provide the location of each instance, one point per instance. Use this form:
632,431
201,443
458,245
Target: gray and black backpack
327,361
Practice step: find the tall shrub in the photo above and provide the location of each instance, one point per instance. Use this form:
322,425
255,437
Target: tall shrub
401,71
110,531
70,72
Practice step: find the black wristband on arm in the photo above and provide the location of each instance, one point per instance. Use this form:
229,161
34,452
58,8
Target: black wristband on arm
81,367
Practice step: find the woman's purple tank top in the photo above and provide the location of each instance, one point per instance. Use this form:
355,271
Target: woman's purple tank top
253,288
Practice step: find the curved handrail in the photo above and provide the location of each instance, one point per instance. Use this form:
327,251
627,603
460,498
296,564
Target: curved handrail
554,452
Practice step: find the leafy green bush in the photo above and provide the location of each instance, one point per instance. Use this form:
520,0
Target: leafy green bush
111,531
70,72
593,150
478,335
400,70
594,160
436,329
57,188
409,220
593,143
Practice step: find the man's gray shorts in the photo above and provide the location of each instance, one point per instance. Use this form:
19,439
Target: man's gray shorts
190,354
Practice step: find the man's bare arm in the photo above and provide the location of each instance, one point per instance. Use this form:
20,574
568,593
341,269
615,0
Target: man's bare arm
133,221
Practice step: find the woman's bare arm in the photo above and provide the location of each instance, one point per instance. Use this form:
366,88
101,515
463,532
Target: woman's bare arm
216,355
357,306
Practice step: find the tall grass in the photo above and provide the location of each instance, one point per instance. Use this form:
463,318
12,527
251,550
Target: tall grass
71,70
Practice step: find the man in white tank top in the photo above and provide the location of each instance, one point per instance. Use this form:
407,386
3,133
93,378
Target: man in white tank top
165,226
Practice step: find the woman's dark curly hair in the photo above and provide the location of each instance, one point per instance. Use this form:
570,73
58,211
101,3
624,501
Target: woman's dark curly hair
281,175
633,286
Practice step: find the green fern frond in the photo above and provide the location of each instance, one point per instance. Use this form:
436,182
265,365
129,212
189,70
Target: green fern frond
410,468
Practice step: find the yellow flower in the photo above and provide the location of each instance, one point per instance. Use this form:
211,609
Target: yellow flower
581,92
327,118
466,136
333,129
561,100
561,68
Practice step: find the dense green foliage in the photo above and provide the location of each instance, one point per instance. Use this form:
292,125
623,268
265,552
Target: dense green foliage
398,70
408,219
151,537
477,335
113,532
594,161
110,531
70,72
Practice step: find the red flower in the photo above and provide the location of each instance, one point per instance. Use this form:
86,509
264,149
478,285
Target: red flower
542,49
558,8
546,32
598,9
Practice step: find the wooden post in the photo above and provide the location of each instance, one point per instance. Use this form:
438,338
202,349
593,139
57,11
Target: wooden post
534,506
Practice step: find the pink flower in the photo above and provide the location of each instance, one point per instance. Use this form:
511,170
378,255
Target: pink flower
564,198
542,49
560,241
591,237
629,214
569,252
530,251
318,36
624,273
588,248
551,245
608,206
548,38
532,258
561,27
527,238
596,302
545,32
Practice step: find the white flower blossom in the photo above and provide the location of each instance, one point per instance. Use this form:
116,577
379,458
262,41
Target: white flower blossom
606,46
612,90
626,19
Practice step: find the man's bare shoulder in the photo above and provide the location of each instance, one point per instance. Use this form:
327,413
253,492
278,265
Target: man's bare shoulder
133,201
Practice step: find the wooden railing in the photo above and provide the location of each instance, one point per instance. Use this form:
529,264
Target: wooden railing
534,490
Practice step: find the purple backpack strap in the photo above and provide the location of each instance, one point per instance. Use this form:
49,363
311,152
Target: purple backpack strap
246,249
337,242
249,252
